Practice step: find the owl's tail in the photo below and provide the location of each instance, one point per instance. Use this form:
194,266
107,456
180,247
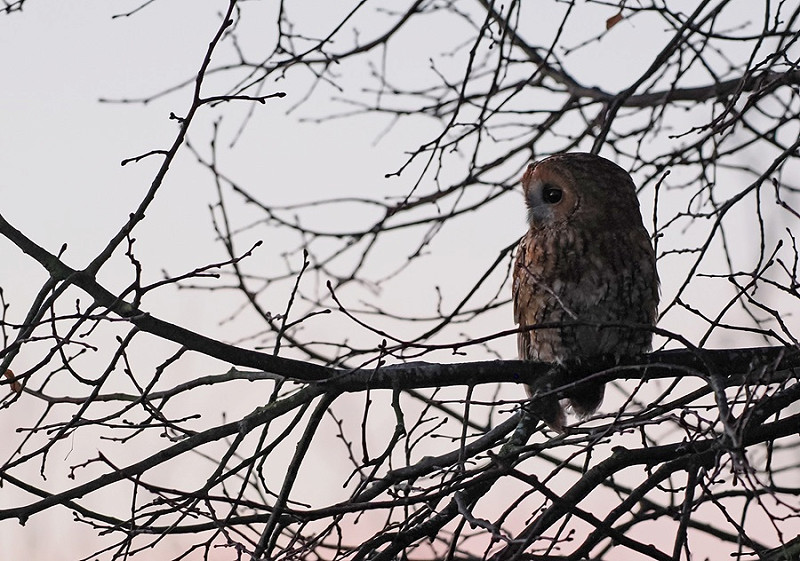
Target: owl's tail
587,399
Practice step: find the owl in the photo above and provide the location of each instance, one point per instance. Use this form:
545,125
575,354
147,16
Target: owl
585,271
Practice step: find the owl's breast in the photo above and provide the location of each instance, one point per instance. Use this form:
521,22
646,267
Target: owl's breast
585,288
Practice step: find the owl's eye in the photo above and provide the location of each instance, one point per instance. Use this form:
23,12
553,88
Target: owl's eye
551,195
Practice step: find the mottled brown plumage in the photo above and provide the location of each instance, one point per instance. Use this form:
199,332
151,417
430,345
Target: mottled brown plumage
586,260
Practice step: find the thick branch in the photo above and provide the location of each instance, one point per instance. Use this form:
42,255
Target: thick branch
736,365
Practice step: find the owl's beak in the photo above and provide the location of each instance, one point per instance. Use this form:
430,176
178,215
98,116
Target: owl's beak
539,215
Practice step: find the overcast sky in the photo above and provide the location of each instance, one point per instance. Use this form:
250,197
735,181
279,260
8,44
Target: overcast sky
61,181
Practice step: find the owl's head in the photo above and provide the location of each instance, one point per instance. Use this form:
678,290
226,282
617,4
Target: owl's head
580,189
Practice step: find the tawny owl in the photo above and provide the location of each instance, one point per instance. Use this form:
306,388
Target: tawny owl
586,260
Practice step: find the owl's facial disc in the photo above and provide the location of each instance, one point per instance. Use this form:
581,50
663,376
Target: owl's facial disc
549,202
